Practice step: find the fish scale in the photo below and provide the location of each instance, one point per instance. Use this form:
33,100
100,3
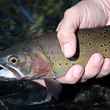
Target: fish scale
43,55
90,41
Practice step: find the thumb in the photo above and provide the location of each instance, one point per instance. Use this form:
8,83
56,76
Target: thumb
66,32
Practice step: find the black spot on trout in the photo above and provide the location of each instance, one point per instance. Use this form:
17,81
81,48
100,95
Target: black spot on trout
41,54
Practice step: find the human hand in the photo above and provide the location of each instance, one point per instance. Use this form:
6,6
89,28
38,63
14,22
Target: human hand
86,14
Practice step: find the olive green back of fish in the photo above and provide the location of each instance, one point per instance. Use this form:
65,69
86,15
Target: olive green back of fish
89,41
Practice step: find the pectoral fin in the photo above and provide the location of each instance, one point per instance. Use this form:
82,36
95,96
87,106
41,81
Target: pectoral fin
54,88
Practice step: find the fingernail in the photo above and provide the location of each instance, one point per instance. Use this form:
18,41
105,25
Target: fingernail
68,50
97,58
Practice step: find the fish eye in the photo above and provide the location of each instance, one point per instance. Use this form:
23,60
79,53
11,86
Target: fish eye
12,59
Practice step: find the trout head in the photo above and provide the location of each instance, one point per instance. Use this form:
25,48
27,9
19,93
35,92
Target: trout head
24,61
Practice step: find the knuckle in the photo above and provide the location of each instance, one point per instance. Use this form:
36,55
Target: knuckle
106,65
98,55
60,38
61,34
67,12
107,59
72,11
78,66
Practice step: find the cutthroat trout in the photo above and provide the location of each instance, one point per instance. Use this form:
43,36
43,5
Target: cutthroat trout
41,55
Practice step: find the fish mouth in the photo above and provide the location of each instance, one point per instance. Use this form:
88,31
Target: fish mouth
8,71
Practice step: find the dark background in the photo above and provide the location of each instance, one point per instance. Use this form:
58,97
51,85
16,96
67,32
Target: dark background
20,18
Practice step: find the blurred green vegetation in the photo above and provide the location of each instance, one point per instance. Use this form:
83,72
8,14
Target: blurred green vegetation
19,18
48,13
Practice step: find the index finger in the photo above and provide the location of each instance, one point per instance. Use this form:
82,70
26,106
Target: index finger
66,34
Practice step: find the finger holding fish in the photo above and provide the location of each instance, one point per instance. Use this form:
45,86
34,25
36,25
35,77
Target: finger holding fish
93,67
73,75
105,70
97,66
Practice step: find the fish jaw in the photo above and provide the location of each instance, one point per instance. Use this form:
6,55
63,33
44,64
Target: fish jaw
10,72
